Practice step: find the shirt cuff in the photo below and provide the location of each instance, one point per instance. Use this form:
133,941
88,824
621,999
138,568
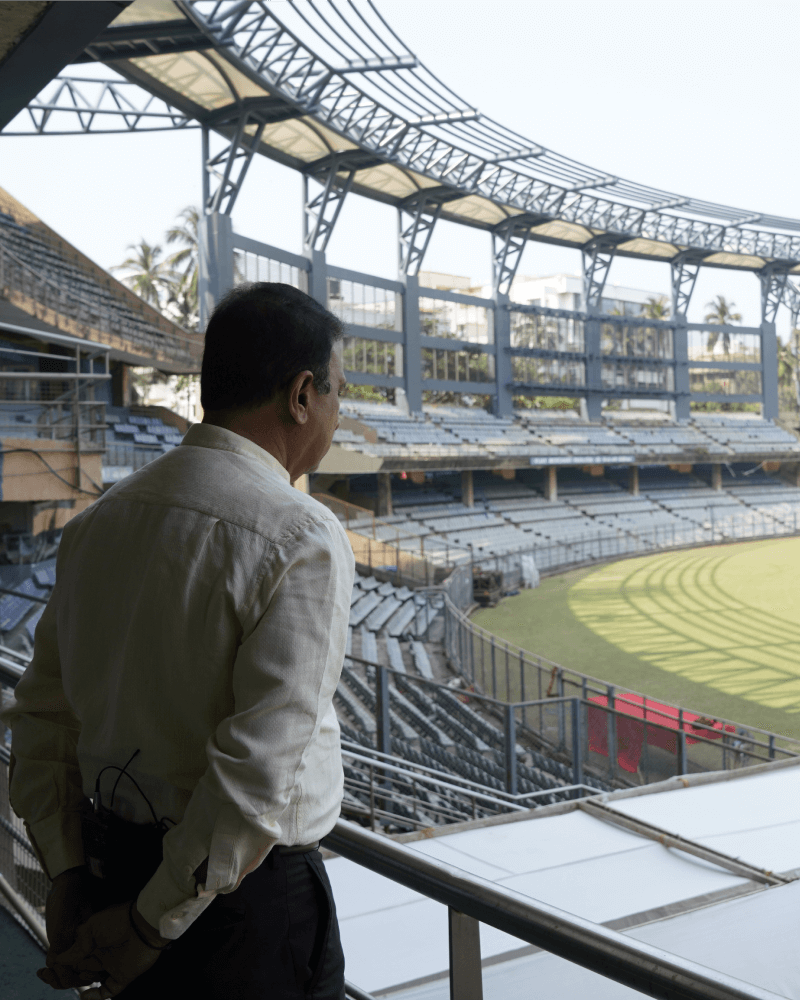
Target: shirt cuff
57,841
167,906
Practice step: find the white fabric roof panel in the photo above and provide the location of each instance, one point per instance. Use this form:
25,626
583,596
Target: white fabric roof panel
393,936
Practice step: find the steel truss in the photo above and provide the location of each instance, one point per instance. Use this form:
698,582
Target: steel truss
344,67
416,218
257,41
90,105
597,256
508,242
224,172
791,299
332,176
684,269
774,279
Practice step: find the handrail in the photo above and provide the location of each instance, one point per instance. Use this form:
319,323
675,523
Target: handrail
445,780
635,964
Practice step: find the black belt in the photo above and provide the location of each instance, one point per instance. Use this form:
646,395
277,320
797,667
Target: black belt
296,849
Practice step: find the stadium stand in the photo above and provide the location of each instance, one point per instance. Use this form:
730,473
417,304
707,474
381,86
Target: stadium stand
37,263
449,431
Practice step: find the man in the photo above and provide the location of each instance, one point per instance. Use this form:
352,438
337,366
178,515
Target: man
194,640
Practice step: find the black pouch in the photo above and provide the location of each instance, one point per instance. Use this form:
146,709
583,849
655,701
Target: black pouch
120,852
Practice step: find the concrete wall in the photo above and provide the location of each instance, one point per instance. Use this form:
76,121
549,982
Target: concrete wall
25,477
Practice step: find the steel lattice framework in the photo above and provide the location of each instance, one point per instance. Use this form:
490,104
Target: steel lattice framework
340,66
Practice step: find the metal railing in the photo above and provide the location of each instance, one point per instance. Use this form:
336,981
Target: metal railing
130,455
395,789
55,420
471,900
551,555
668,736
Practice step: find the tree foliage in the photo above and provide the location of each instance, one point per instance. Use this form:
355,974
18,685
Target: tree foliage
169,284
721,312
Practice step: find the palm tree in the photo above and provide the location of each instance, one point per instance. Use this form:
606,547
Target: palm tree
181,303
721,311
149,274
656,308
185,232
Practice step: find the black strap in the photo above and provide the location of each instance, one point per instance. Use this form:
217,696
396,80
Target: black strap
148,944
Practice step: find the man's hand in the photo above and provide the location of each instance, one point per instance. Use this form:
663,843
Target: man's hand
106,948
69,904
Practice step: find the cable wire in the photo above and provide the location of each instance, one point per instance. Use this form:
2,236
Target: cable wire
11,451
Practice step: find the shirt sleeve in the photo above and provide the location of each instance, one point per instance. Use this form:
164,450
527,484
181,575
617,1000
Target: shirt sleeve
44,784
284,676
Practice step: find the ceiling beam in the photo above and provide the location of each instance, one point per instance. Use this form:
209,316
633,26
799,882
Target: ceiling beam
57,39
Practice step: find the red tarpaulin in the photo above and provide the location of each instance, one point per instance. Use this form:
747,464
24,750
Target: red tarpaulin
631,730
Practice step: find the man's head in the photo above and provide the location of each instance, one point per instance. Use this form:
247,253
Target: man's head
272,372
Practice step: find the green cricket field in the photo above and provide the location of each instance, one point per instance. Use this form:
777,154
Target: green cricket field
714,629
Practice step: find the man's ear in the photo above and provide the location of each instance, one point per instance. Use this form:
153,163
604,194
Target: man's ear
300,390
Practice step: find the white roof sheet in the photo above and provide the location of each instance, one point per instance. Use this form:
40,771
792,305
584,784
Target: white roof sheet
393,936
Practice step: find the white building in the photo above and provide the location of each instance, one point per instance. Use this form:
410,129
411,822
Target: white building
566,292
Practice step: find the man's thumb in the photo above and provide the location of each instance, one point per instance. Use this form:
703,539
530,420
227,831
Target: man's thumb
107,990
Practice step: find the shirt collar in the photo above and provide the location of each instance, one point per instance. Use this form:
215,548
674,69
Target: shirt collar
212,436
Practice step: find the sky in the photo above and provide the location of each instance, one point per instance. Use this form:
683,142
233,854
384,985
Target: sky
692,97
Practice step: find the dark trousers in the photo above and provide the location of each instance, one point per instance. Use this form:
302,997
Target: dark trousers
276,936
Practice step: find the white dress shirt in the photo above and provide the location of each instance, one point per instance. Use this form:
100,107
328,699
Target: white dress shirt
200,614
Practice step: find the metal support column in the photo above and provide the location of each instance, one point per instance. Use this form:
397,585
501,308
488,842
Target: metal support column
503,404
716,476
597,257
467,490
508,243
774,278
318,277
769,372
223,176
680,348
416,219
550,483
466,977
511,750
412,349
633,480
612,733
684,269
577,746
594,368
215,262
384,495
382,720
326,183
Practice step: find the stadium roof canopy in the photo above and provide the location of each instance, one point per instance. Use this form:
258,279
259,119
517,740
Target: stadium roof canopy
331,82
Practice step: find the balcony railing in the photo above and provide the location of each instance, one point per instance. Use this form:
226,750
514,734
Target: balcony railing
469,899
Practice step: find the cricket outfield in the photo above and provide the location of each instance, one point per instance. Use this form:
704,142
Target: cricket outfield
715,629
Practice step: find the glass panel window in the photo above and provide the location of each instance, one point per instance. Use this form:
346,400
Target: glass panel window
248,267
625,375
456,320
548,371
715,345
533,330
724,382
636,341
364,305
375,357
457,366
